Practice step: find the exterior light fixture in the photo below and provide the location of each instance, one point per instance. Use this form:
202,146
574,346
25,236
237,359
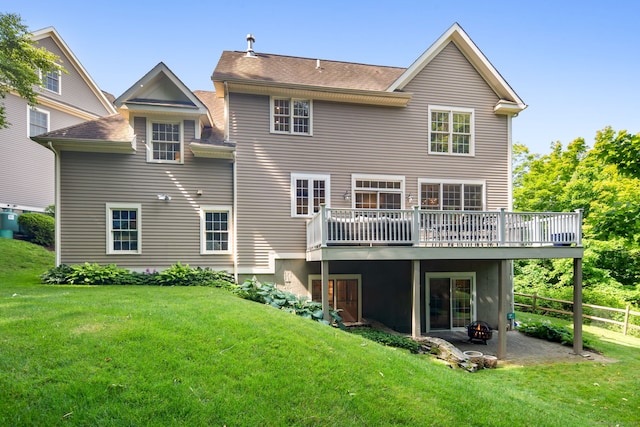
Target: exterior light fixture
164,197
347,195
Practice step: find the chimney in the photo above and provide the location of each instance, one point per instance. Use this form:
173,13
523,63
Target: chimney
250,41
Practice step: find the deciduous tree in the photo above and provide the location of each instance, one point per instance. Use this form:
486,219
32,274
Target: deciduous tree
22,62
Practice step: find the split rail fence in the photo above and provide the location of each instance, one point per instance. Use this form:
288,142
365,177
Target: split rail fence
625,323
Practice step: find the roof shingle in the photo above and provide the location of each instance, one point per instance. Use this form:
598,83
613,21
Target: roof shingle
304,71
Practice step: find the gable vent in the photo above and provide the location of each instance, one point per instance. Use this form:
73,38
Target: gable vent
250,41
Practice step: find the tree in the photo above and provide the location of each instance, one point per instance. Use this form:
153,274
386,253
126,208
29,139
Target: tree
540,181
621,149
21,62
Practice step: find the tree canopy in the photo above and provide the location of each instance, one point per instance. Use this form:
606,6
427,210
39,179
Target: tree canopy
603,181
22,62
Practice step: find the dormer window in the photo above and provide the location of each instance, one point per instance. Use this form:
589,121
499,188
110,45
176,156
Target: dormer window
292,116
165,145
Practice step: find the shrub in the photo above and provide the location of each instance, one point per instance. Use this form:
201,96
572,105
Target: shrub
387,339
268,293
183,275
549,332
96,274
176,275
38,228
57,275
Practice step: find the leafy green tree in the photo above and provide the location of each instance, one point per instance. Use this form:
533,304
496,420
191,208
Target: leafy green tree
621,149
606,186
21,62
540,181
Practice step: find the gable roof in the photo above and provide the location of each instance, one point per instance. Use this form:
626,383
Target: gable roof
269,74
53,34
304,71
160,90
511,102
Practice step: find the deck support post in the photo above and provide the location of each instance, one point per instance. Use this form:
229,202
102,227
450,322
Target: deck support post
324,271
577,306
415,299
503,271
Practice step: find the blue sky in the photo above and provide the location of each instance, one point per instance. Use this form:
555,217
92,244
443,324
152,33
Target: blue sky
575,63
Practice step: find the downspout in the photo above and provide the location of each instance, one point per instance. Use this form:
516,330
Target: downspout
235,218
58,211
510,209
234,184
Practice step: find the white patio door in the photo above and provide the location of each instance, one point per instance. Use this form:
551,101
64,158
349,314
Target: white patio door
449,300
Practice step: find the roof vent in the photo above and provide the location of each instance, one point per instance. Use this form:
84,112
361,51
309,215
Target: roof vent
250,41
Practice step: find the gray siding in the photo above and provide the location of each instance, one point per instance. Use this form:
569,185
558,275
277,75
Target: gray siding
170,229
75,90
358,139
26,168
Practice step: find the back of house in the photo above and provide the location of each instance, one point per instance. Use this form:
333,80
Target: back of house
381,191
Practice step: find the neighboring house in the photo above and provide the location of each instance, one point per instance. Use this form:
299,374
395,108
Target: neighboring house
65,99
381,191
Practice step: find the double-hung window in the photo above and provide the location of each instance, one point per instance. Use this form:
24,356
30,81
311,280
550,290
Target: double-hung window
123,228
467,196
51,81
292,116
215,226
38,121
165,144
451,130
308,192
378,192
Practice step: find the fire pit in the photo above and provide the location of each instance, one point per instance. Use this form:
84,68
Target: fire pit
479,330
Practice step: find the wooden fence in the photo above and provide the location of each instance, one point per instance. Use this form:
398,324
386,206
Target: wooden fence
625,324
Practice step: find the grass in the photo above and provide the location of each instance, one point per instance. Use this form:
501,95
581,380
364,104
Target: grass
143,356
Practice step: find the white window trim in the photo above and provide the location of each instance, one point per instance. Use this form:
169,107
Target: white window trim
357,277
149,139
376,177
291,132
310,177
451,110
203,237
40,110
109,240
462,182
59,92
450,276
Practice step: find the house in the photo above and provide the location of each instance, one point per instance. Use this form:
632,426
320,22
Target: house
65,99
381,191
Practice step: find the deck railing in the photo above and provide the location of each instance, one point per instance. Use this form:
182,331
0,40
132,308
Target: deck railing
418,227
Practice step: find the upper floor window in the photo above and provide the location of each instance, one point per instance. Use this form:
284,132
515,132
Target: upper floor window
378,192
38,121
308,193
291,116
215,225
51,81
468,196
165,142
123,228
451,130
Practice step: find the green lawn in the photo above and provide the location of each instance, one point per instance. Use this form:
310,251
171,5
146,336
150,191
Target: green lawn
150,356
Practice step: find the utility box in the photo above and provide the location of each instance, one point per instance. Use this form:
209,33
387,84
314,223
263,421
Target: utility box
9,221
